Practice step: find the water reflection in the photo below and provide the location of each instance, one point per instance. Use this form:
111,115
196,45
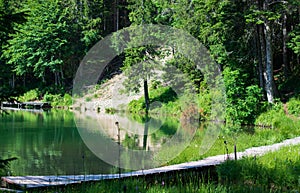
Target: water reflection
140,139
46,143
49,143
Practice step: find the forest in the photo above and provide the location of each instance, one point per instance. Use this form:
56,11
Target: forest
255,42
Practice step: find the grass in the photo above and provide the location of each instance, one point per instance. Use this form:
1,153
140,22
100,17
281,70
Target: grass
294,106
274,172
255,136
277,171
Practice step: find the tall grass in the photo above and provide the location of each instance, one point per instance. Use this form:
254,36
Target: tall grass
277,171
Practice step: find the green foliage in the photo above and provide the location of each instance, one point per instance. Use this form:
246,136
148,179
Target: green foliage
204,102
46,25
136,106
276,117
242,100
130,142
57,100
294,42
5,165
29,96
10,16
188,68
51,40
293,107
160,97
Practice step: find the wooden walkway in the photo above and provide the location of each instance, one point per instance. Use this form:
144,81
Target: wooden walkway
25,105
25,182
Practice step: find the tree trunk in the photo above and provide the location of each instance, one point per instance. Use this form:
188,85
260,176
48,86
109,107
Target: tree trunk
269,63
117,15
147,103
260,48
284,47
146,128
146,95
13,81
55,79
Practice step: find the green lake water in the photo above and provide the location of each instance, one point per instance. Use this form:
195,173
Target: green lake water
50,143
46,143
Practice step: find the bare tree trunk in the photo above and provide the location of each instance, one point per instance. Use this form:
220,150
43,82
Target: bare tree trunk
57,78
284,47
13,81
43,78
117,15
62,75
261,48
269,60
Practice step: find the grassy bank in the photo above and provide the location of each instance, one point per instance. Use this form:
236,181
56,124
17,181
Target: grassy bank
61,99
274,124
277,123
274,172
255,136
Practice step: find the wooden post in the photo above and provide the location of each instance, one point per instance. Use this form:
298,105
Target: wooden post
119,159
235,155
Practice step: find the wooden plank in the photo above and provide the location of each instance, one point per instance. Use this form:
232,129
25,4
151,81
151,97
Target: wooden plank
25,105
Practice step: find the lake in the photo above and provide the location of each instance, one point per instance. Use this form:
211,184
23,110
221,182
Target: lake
61,142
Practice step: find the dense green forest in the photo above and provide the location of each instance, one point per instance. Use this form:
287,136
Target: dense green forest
255,42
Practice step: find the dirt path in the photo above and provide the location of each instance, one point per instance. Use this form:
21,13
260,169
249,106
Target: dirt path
286,111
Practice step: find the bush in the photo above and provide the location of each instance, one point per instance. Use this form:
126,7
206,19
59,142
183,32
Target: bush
272,116
67,100
58,100
136,106
294,107
242,100
159,97
29,96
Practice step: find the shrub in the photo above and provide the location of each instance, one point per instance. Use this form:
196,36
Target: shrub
136,106
88,99
67,100
29,96
241,99
294,107
58,100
